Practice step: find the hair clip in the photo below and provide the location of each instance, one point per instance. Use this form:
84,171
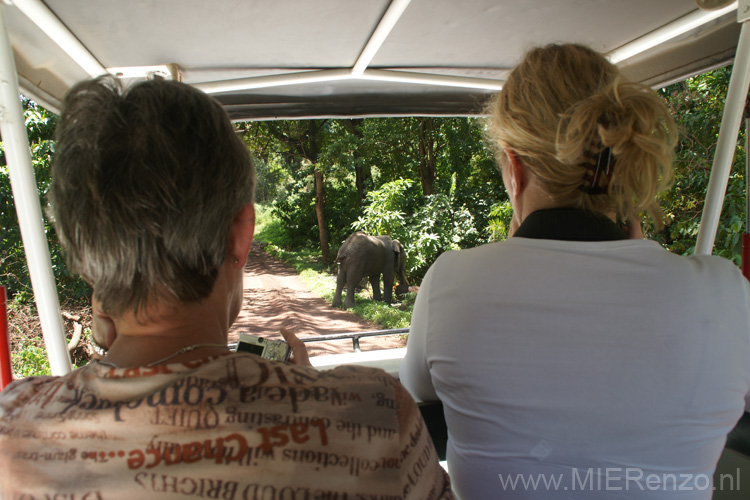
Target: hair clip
604,165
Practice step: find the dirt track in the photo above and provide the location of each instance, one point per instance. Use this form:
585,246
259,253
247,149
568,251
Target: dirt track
276,297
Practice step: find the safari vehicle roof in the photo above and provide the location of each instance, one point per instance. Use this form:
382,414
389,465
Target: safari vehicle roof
277,59
350,58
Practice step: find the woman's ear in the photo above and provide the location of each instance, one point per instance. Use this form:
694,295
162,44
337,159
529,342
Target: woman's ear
516,174
241,235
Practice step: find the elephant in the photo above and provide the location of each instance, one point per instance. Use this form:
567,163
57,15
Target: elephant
363,255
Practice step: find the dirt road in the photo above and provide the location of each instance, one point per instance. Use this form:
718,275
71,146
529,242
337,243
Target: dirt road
276,297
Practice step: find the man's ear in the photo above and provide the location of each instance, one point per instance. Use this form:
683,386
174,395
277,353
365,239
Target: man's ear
103,328
516,173
241,235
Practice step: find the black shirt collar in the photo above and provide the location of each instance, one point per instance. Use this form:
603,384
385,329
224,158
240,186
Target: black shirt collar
569,224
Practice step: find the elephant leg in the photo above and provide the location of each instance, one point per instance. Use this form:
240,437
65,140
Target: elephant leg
351,289
388,289
340,282
375,282
388,276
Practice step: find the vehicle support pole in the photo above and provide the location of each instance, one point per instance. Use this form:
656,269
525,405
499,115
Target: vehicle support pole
730,128
28,209
746,235
6,367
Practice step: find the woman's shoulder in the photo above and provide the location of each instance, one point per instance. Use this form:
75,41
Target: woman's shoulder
487,250
716,267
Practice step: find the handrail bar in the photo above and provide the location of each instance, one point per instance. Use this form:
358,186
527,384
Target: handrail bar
371,333
355,336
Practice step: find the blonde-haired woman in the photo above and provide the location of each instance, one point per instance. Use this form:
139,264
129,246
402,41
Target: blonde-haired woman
575,359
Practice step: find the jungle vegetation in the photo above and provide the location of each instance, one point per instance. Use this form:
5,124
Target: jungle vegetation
429,182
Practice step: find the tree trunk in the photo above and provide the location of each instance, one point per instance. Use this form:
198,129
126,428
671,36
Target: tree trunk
319,205
427,162
312,152
305,142
361,173
360,181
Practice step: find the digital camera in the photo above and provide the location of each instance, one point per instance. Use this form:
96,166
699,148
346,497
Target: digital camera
275,350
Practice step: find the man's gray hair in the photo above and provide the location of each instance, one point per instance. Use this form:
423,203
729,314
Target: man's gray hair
145,185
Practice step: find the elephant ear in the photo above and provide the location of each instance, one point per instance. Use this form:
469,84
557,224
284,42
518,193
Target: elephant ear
396,246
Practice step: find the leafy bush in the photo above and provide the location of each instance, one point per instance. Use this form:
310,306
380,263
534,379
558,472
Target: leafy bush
14,272
295,209
385,210
27,353
27,349
441,223
499,221
697,105
437,227
270,180
269,228
342,207
31,360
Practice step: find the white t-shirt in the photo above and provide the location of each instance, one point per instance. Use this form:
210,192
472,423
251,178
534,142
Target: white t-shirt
581,369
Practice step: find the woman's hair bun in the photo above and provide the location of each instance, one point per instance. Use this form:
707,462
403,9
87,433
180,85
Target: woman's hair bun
564,105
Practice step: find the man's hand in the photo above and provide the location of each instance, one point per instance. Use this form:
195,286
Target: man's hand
299,351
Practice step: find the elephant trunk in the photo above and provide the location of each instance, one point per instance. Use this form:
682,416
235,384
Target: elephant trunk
402,278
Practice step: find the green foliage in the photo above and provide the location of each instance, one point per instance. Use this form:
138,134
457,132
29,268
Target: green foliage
269,228
14,273
470,206
499,221
300,260
271,177
383,157
263,217
697,105
440,223
28,354
31,361
380,313
389,146
319,282
296,210
384,213
467,170
341,208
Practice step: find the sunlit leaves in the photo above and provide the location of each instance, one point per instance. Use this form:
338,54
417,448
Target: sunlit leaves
438,225
14,273
698,104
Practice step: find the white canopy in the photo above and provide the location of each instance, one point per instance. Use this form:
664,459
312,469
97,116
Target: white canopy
294,59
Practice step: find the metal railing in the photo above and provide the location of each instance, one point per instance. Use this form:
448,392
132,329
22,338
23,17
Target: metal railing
355,336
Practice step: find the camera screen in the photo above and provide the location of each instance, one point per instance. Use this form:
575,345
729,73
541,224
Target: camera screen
251,348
